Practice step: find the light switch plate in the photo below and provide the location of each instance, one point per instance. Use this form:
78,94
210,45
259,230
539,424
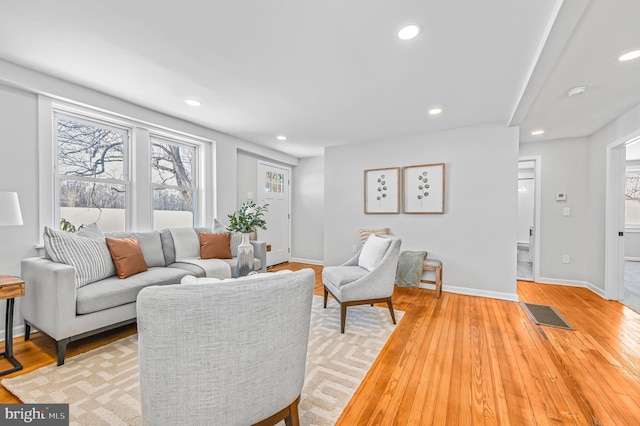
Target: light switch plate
566,211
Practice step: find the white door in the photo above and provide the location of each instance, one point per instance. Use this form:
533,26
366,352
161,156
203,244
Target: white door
274,189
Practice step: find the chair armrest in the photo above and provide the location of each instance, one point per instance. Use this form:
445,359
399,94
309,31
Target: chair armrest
49,302
354,260
260,252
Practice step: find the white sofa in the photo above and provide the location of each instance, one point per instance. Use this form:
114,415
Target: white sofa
55,305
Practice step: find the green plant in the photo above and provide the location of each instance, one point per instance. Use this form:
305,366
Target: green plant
67,226
249,217
423,186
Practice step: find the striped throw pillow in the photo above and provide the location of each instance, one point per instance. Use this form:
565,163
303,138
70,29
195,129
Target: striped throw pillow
90,257
364,233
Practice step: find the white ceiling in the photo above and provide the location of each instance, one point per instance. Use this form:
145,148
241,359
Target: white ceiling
333,72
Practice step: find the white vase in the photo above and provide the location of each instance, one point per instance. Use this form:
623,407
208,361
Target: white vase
245,256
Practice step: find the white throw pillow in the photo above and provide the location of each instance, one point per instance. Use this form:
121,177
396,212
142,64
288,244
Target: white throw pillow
190,279
90,257
373,251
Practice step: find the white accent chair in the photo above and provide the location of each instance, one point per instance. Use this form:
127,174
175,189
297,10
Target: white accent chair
228,353
365,278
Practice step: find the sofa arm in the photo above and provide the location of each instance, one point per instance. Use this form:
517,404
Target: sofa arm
49,302
260,252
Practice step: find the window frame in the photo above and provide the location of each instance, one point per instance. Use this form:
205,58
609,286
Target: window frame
196,166
140,196
101,122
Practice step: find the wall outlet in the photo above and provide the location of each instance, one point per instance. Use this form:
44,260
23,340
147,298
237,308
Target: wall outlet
354,249
566,258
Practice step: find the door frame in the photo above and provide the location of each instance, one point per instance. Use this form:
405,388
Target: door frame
614,216
260,186
537,196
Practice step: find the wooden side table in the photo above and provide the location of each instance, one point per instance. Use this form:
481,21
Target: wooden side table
10,288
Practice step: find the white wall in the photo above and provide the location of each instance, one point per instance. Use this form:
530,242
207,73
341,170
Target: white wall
475,238
564,168
19,145
247,178
307,211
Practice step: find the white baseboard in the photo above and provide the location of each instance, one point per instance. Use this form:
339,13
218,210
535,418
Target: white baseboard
474,292
572,283
309,261
18,331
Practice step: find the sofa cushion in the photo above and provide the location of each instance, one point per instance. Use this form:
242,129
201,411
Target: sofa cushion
127,256
186,243
90,257
373,251
91,231
341,275
150,244
189,267
214,246
168,248
112,291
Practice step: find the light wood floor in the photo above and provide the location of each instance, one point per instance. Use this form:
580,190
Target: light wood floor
470,360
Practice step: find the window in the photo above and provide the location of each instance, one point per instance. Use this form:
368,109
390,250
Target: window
91,173
122,173
173,181
632,197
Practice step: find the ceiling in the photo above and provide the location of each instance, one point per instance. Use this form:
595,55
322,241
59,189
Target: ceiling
333,72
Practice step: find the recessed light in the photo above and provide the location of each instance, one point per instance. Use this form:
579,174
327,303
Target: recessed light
409,31
281,137
630,55
577,90
435,111
537,132
192,102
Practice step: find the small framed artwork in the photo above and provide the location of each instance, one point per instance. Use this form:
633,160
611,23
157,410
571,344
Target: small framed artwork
382,191
424,189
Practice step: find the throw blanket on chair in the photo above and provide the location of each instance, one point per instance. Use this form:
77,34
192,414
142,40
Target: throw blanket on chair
410,268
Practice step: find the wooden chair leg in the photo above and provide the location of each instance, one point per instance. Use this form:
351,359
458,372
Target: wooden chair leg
293,419
390,305
343,316
438,281
326,293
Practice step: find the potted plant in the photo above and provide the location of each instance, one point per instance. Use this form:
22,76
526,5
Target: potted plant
249,217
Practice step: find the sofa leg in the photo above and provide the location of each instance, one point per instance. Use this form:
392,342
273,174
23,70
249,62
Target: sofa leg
390,305
61,349
326,293
27,331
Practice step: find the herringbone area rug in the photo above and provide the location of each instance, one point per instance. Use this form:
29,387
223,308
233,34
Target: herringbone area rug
101,386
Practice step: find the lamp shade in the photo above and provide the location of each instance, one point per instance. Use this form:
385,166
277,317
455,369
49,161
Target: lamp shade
9,209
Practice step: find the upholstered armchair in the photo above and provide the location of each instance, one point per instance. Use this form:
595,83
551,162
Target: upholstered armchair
366,278
226,353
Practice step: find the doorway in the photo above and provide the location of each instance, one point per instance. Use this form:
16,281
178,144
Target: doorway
528,251
274,188
631,297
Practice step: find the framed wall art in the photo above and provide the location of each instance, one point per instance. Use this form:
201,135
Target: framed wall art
382,191
424,189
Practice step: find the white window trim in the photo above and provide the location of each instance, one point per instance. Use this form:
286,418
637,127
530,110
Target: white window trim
139,164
